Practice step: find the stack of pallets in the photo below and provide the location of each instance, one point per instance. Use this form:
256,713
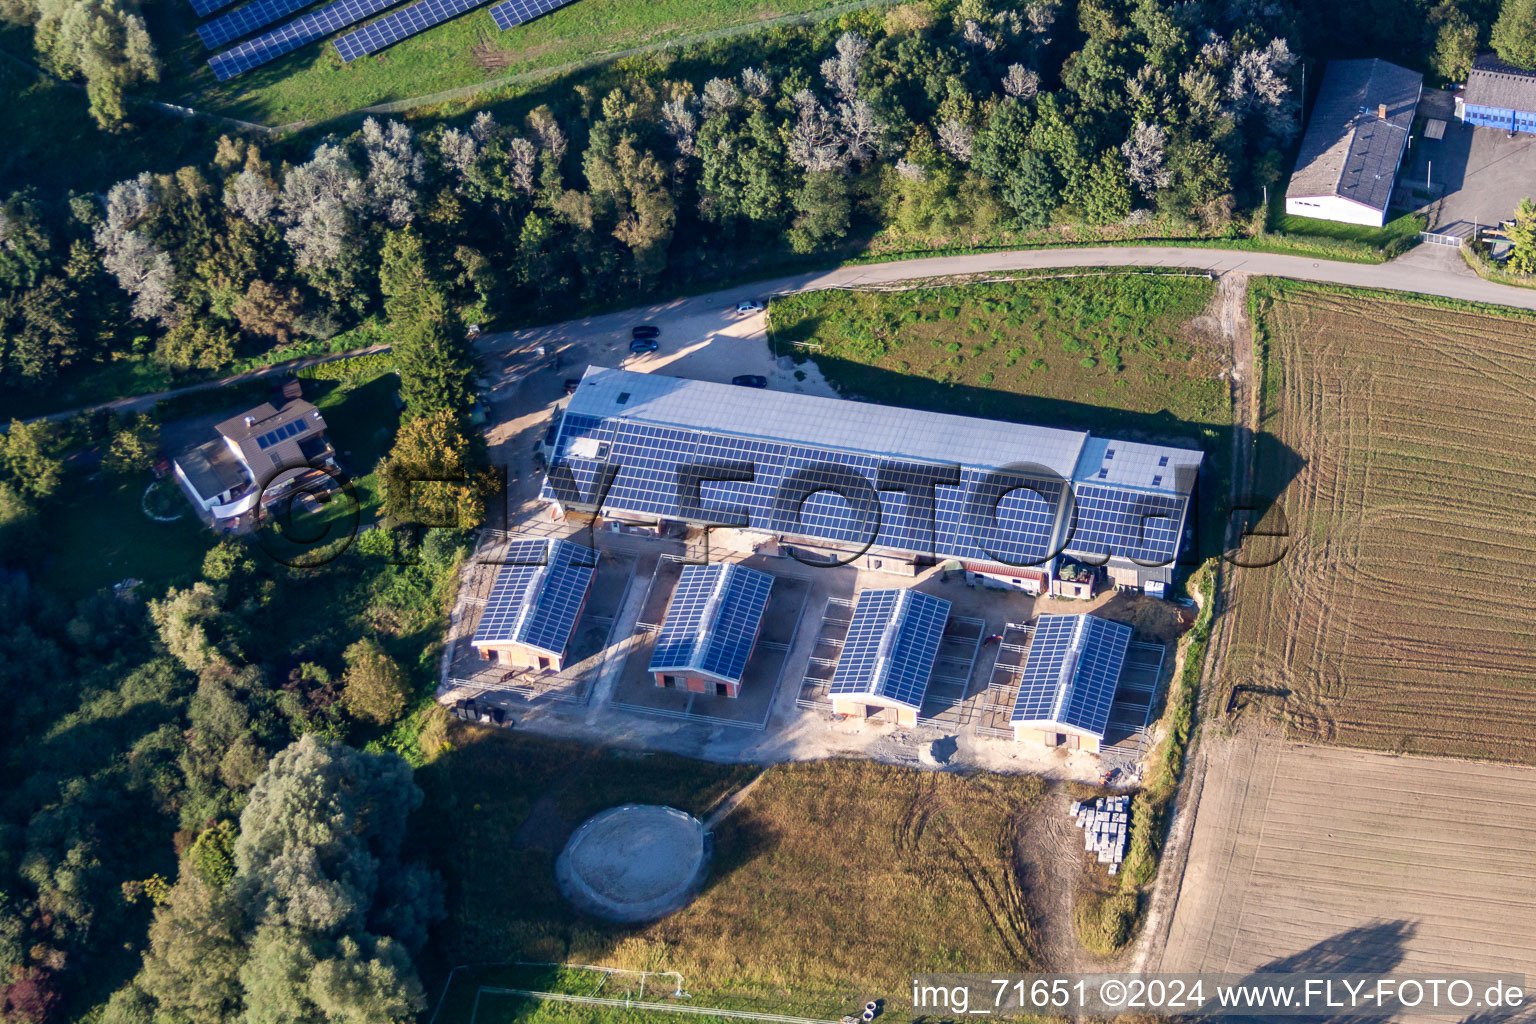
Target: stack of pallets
1106,822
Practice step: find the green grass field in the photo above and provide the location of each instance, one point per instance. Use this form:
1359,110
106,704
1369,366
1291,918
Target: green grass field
100,535
1096,350
831,883
313,84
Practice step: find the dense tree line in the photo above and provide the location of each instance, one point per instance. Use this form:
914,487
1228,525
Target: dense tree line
170,770
933,122
103,43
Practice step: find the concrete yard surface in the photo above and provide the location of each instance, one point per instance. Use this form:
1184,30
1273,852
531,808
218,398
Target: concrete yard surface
1309,858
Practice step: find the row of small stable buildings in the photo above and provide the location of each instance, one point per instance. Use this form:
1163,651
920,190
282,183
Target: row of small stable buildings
715,616
1067,684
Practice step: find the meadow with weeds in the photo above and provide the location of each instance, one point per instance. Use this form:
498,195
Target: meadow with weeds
832,880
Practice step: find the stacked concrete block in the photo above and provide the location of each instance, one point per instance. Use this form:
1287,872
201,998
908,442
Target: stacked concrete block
1106,825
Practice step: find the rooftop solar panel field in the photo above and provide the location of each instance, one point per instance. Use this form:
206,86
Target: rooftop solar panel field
537,596
1129,524
712,620
401,24
299,32
1071,671
517,12
644,426
893,639
1010,522
242,21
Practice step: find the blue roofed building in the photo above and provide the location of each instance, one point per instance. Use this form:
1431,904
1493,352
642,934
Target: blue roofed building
888,654
882,488
1498,95
535,603
1068,683
710,628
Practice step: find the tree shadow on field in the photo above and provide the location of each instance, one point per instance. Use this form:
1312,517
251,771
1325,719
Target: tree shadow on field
1369,949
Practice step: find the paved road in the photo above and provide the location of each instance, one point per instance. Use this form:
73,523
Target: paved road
692,324
143,403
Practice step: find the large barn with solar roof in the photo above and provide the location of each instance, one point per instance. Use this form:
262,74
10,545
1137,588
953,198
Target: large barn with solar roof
1068,683
535,603
916,487
711,626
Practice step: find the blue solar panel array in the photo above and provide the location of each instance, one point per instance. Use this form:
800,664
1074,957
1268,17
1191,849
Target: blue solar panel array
712,620
402,24
516,12
891,645
299,32
242,21
207,7
538,595
1130,524
647,483
282,433
1072,671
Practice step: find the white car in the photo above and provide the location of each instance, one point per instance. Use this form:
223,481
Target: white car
748,307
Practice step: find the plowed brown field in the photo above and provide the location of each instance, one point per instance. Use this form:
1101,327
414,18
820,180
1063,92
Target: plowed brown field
1402,448
1309,858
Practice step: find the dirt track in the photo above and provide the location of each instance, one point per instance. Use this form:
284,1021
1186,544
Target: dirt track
1323,858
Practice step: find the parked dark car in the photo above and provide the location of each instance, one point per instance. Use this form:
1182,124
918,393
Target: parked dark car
644,331
750,380
571,384
640,346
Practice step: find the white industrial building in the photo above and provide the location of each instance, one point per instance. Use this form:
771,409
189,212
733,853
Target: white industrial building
1354,143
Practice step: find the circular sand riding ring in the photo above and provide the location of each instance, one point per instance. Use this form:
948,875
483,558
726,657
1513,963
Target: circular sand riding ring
634,863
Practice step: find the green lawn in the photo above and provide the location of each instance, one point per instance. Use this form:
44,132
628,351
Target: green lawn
313,83
1115,353
361,419
100,535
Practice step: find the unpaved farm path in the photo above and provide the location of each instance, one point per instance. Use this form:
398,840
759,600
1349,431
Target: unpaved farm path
1230,308
1325,858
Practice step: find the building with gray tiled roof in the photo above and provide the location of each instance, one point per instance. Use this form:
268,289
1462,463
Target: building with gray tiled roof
1354,143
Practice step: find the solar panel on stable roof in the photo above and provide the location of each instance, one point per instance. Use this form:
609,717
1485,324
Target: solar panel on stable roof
646,425
893,639
712,620
1128,524
299,32
969,521
537,596
207,7
864,428
401,24
516,12
242,21
1071,672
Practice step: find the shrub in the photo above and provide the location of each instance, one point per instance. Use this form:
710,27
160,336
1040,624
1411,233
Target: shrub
1105,923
